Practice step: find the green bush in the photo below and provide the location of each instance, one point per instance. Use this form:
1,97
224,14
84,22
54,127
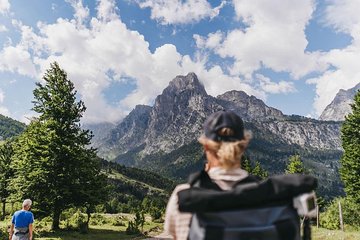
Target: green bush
78,221
155,213
118,221
98,219
4,234
134,226
351,212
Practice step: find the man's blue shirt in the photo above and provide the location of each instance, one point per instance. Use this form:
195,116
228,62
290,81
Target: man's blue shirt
22,218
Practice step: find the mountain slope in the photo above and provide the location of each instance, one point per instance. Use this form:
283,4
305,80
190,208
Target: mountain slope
10,127
340,106
168,132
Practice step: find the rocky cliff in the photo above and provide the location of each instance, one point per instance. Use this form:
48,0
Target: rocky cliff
340,106
163,137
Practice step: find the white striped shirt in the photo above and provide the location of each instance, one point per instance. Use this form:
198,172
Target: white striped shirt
177,223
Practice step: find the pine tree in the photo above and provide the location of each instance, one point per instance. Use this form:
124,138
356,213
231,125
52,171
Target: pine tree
295,165
350,161
54,165
6,173
259,171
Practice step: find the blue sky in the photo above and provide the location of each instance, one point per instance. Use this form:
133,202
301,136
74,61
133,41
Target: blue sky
294,55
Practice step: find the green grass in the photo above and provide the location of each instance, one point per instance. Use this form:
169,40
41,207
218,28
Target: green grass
109,232
325,234
96,232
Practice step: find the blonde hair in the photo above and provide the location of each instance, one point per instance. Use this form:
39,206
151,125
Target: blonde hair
228,153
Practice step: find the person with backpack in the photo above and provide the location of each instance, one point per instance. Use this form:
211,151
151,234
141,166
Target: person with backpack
22,223
224,142
225,202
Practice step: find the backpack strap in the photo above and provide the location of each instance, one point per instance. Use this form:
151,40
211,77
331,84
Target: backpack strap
202,180
206,196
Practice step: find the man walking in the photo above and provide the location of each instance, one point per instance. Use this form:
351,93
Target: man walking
21,223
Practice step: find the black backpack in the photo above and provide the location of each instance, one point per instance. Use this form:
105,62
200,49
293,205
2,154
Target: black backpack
252,210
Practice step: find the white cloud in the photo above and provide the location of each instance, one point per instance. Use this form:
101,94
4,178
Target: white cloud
3,28
344,75
81,12
212,41
87,49
2,96
3,110
344,72
180,12
271,87
4,6
274,37
343,16
17,59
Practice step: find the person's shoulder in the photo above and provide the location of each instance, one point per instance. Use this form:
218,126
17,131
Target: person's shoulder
181,187
18,212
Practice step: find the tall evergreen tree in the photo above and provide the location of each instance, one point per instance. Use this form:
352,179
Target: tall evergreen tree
6,173
295,165
350,161
54,165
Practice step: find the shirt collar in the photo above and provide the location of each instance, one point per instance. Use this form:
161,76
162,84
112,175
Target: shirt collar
235,174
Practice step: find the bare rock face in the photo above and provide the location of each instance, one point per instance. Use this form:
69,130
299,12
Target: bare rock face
307,133
340,106
128,134
249,107
178,114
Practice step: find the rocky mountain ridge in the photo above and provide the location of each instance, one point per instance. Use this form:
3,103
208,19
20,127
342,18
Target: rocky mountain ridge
340,106
178,114
163,138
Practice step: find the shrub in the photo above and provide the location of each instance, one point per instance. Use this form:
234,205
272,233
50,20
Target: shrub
118,221
155,213
98,219
351,212
4,234
78,221
134,226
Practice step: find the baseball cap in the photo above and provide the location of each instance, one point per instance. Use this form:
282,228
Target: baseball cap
224,119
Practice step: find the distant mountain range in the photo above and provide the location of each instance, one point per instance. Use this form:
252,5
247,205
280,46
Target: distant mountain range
163,137
10,127
340,106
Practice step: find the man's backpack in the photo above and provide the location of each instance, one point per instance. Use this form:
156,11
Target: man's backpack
252,210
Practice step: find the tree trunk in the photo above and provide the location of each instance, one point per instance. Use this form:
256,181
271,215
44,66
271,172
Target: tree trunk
56,219
88,212
3,210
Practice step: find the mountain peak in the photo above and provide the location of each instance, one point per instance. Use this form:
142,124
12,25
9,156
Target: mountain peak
340,106
182,83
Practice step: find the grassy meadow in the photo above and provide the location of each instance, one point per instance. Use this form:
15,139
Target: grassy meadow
113,227
101,227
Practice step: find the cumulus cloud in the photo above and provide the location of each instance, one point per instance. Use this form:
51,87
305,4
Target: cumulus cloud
17,59
3,110
272,87
4,6
180,12
344,72
89,48
273,37
3,28
81,12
